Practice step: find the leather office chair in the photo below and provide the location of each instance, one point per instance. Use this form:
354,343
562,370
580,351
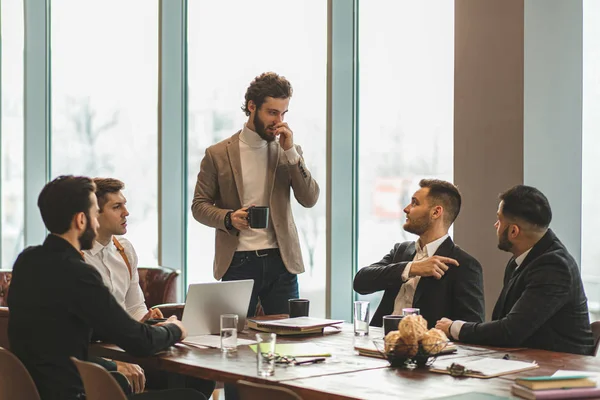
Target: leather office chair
97,382
256,391
159,285
5,277
596,334
15,381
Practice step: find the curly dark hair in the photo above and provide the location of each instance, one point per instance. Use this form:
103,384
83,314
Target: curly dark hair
267,84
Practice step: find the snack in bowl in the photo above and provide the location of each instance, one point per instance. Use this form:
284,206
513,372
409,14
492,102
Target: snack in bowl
401,347
434,341
412,328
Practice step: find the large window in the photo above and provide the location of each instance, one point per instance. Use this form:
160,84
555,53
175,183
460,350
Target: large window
590,236
11,130
226,51
104,103
406,86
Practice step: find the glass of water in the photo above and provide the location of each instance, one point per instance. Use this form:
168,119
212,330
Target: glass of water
265,354
361,318
229,323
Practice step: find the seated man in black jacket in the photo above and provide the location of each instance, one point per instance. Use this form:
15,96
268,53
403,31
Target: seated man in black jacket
56,299
542,304
432,274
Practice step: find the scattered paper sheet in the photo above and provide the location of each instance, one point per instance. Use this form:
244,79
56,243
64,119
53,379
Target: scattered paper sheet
485,366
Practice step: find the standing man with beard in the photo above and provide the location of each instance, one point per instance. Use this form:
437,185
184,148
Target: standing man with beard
432,274
260,165
542,304
56,300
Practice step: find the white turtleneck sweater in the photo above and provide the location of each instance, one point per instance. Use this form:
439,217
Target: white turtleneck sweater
254,160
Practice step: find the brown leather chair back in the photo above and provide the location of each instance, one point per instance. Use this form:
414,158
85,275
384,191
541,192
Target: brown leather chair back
15,381
97,382
596,334
159,285
5,277
4,327
256,391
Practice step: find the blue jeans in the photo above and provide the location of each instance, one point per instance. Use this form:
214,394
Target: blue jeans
273,285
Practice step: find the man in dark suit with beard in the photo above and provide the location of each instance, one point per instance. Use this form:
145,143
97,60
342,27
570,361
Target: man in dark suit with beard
542,304
432,274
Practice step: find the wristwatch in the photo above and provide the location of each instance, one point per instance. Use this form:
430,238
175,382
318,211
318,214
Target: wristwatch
228,224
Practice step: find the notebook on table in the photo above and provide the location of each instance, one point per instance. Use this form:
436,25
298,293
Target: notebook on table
293,326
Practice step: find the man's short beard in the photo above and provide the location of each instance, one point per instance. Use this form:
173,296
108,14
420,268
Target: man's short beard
86,240
503,243
417,227
261,129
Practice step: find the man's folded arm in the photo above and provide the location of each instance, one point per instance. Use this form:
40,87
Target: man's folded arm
92,302
468,302
547,291
382,275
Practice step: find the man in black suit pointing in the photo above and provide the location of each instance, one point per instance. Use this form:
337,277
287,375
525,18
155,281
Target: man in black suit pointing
432,274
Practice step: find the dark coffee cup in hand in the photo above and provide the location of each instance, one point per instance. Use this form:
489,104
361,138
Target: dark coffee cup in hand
298,307
390,323
258,217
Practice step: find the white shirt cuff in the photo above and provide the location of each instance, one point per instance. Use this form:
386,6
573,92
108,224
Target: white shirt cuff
406,272
292,155
455,329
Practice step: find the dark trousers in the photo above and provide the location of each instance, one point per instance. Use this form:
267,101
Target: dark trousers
273,285
169,394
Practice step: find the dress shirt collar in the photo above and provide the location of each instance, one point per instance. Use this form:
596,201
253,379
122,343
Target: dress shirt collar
251,138
519,260
430,248
98,247
55,242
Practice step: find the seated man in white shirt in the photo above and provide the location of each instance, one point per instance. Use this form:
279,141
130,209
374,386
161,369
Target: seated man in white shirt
116,260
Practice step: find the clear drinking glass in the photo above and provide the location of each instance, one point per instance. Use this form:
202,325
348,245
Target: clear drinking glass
265,353
411,311
229,323
361,318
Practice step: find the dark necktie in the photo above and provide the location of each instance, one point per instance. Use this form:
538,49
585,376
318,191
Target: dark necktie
511,272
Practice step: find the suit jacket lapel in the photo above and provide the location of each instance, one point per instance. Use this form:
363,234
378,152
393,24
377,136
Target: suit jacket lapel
445,250
538,249
273,154
233,152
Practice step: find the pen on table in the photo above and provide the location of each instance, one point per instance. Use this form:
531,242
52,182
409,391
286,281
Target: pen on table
311,361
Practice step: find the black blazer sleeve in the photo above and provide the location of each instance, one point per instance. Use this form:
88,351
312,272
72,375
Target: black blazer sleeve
92,302
547,290
467,293
383,275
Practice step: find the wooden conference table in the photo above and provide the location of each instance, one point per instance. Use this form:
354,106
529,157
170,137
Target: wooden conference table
347,375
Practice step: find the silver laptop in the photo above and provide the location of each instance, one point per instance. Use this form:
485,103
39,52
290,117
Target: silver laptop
206,302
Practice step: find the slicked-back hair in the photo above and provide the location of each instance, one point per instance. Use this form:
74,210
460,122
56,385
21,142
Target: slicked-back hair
267,84
445,194
63,198
527,204
105,186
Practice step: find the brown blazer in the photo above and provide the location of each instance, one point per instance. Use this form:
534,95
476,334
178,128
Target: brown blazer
219,189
